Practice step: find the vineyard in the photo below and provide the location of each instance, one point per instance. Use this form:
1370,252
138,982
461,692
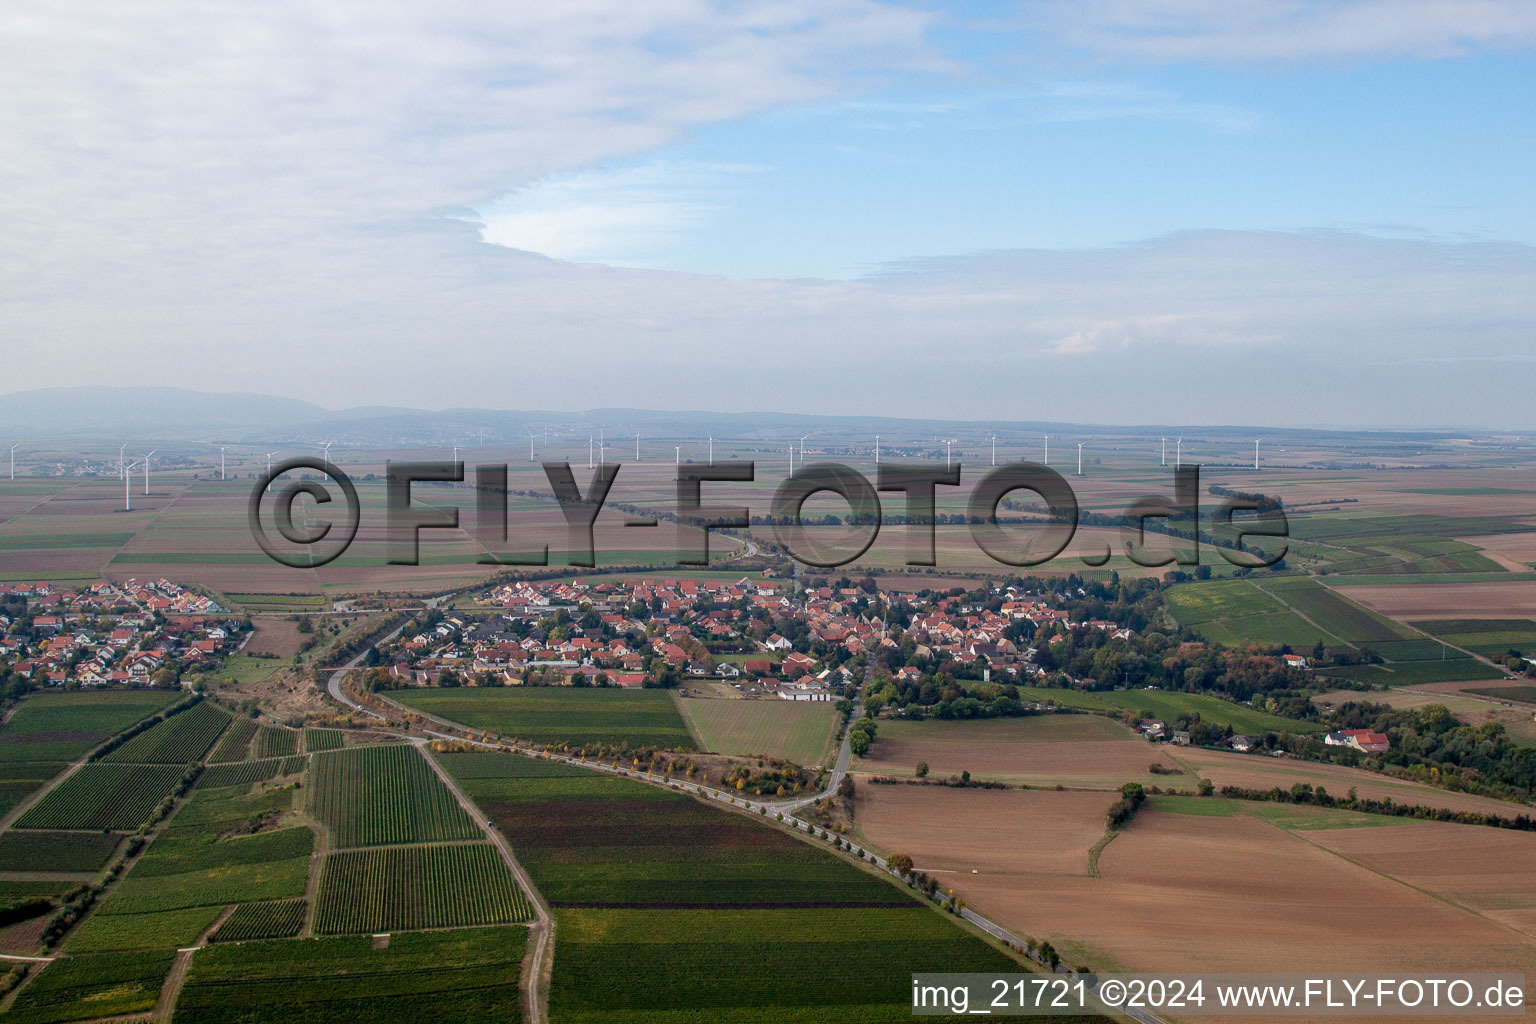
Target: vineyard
561,714
56,851
316,740
116,797
272,741
245,773
423,978
180,739
64,726
666,905
81,987
274,919
417,887
235,744
372,796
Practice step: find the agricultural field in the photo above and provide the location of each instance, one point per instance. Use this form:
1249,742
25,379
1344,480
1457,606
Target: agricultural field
958,831
272,919
56,851
372,796
553,715
275,741
1169,705
452,977
1466,705
1494,599
180,739
1217,868
235,744
666,905
60,727
1074,751
797,731
20,779
323,739
244,773
1492,638
91,987
417,887
115,797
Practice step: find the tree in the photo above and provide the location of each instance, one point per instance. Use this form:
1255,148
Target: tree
901,864
1207,787
922,769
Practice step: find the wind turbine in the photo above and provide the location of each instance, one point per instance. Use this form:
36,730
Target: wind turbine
127,483
677,460
1165,451
325,450
221,462
994,449
637,447
13,460
120,470
802,449
456,455
1255,453
589,451
1047,449
269,471
949,444
146,472
1178,453
711,449
877,449
791,460
531,435
1079,458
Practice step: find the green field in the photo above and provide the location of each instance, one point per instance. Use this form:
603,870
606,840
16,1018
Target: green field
1337,615
90,987
797,731
672,910
273,919
274,741
117,797
235,744
1526,694
64,726
180,739
370,796
20,779
243,773
56,851
1169,705
322,739
457,977
1291,817
417,887
1492,638
164,929
573,715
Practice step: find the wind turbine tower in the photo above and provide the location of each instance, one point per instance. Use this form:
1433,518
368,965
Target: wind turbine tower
877,449
1047,449
269,471
994,449
1165,451
221,463
637,447
711,449
1255,453
127,486
1079,458
949,446
120,470
13,460
146,472
802,449
1178,454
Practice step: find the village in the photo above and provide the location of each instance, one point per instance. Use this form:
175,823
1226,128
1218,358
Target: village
758,636
133,633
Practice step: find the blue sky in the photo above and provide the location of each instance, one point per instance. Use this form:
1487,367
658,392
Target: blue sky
994,154
1310,212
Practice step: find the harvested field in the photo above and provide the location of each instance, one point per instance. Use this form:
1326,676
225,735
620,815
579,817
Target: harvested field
958,830
274,634
1491,871
1255,772
1492,600
1075,751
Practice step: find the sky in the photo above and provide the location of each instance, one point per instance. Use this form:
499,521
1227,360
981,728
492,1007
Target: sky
1283,212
